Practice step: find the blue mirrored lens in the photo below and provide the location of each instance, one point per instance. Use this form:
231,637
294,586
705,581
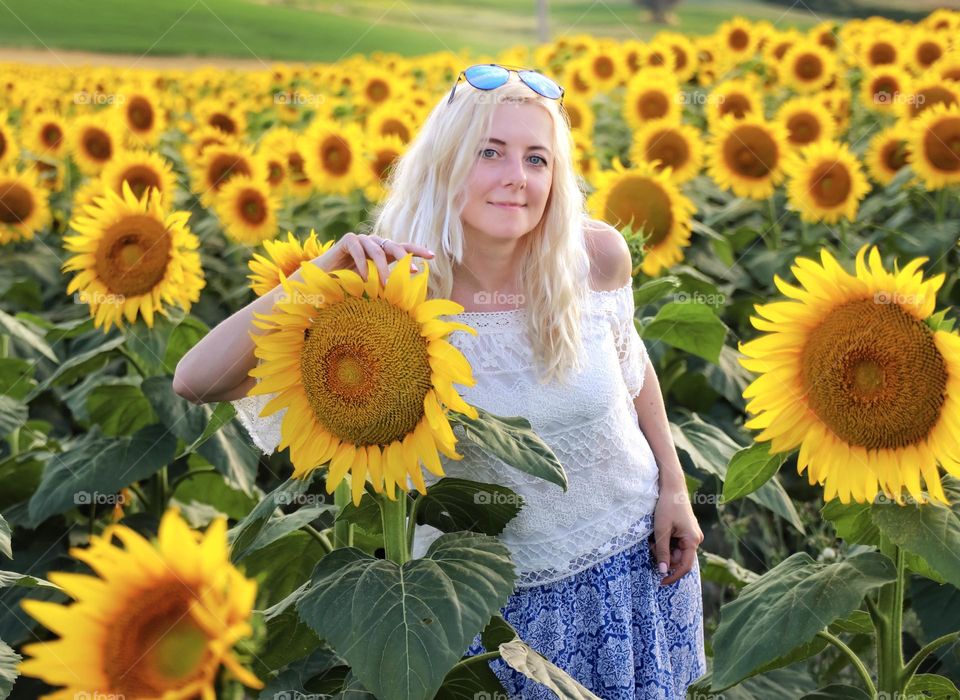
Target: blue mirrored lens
486,77
541,84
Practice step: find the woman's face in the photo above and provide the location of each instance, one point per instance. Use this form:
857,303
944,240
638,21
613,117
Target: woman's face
515,166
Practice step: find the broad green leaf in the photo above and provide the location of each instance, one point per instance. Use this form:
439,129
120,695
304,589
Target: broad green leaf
15,327
750,469
654,290
212,489
402,628
513,440
694,328
852,522
837,691
787,606
119,408
78,365
857,622
454,504
9,659
16,377
5,535
288,637
933,686
13,414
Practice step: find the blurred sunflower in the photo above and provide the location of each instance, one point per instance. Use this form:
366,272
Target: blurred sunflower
948,67
141,170
934,146
212,112
603,68
684,54
282,259
9,151
676,146
652,95
808,67
378,87
925,48
738,38
805,120
142,115
202,137
887,154
646,202
747,156
884,88
825,182
735,98
656,56
131,256
926,93
391,120
218,165
23,206
580,114
156,620
882,48
585,157
288,146
46,135
247,208
381,154
93,142
334,157
275,166
853,375
363,370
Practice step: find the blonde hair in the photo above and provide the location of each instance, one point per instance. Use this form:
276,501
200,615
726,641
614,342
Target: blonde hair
427,188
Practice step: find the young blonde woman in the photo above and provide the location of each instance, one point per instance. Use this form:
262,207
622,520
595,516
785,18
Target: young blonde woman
609,587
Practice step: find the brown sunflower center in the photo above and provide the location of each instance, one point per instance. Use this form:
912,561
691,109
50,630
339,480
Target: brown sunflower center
366,371
295,162
604,67
275,172
97,144
738,40
941,144
252,207
223,122
16,203
808,66
383,160
335,155
576,119
652,104
804,127
133,254
951,74
3,143
155,645
140,177
395,127
884,88
882,53
641,203
750,152
930,96
928,53
736,104
140,114
224,166
873,375
377,90
52,135
670,147
830,184
680,57
894,154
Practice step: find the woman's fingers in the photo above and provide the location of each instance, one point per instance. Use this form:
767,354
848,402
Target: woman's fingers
398,251
379,257
688,555
358,253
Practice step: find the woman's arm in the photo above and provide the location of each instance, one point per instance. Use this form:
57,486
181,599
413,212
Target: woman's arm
656,428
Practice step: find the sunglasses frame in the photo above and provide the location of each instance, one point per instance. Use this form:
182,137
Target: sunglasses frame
519,70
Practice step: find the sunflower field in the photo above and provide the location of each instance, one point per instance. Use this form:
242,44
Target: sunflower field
790,200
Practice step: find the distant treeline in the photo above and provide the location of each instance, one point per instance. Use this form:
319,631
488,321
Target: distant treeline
853,8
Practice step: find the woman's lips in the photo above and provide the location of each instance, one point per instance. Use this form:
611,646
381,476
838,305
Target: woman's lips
509,206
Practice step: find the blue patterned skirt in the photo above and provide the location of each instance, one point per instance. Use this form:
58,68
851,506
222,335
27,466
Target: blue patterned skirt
612,627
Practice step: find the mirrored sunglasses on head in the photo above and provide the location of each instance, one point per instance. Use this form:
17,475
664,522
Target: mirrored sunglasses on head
490,76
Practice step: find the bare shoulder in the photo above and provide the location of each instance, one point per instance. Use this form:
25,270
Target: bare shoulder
610,264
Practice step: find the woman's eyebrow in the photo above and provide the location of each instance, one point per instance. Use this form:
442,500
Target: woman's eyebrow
529,148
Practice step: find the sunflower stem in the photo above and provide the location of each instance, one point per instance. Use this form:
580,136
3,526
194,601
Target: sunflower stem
914,663
160,491
133,360
843,232
940,204
889,624
774,224
412,522
342,530
319,537
394,517
854,659
14,438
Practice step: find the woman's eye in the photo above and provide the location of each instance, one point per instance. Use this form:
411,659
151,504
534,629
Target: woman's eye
487,150
543,161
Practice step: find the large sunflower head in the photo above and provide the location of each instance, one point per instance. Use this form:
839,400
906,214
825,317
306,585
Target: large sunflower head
852,373
282,259
218,165
882,48
247,208
132,257
926,93
826,182
934,146
652,95
93,142
739,38
747,156
23,206
154,620
887,154
363,370
669,145
645,201
805,120
925,48
884,88
335,160
141,170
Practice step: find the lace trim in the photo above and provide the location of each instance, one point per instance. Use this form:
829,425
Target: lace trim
638,531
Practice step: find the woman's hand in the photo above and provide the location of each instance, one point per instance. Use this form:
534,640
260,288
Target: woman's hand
351,251
676,533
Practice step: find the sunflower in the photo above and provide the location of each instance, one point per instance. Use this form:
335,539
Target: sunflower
141,170
808,67
381,155
247,208
23,206
335,157
826,182
882,48
8,144
46,135
805,120
747,156
391,120
142,115
887,154
735,98
652,95
927,93
656,56
738,38
884,88
580,114
676,146
585,157
933,146
645,200
684,54
211,112
378,87
154,620
948,68
219,164
132,256
93,143
282,260
362,369
852,374
925,48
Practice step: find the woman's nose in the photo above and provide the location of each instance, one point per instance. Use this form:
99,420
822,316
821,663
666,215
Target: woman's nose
514,171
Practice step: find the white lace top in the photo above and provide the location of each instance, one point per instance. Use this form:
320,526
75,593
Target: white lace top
589,422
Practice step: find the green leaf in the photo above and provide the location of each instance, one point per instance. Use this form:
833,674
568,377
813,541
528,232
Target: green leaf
857,622
78,365
514,441
14,578
16,328
454,504
933,686
13,414
9,659
787,606
694,328
402,628
852,522
98,465
5,535
750,469
16,377
725,571
288,637
366,515
120,408
212,489
186,334
837,691
654,290
931,531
